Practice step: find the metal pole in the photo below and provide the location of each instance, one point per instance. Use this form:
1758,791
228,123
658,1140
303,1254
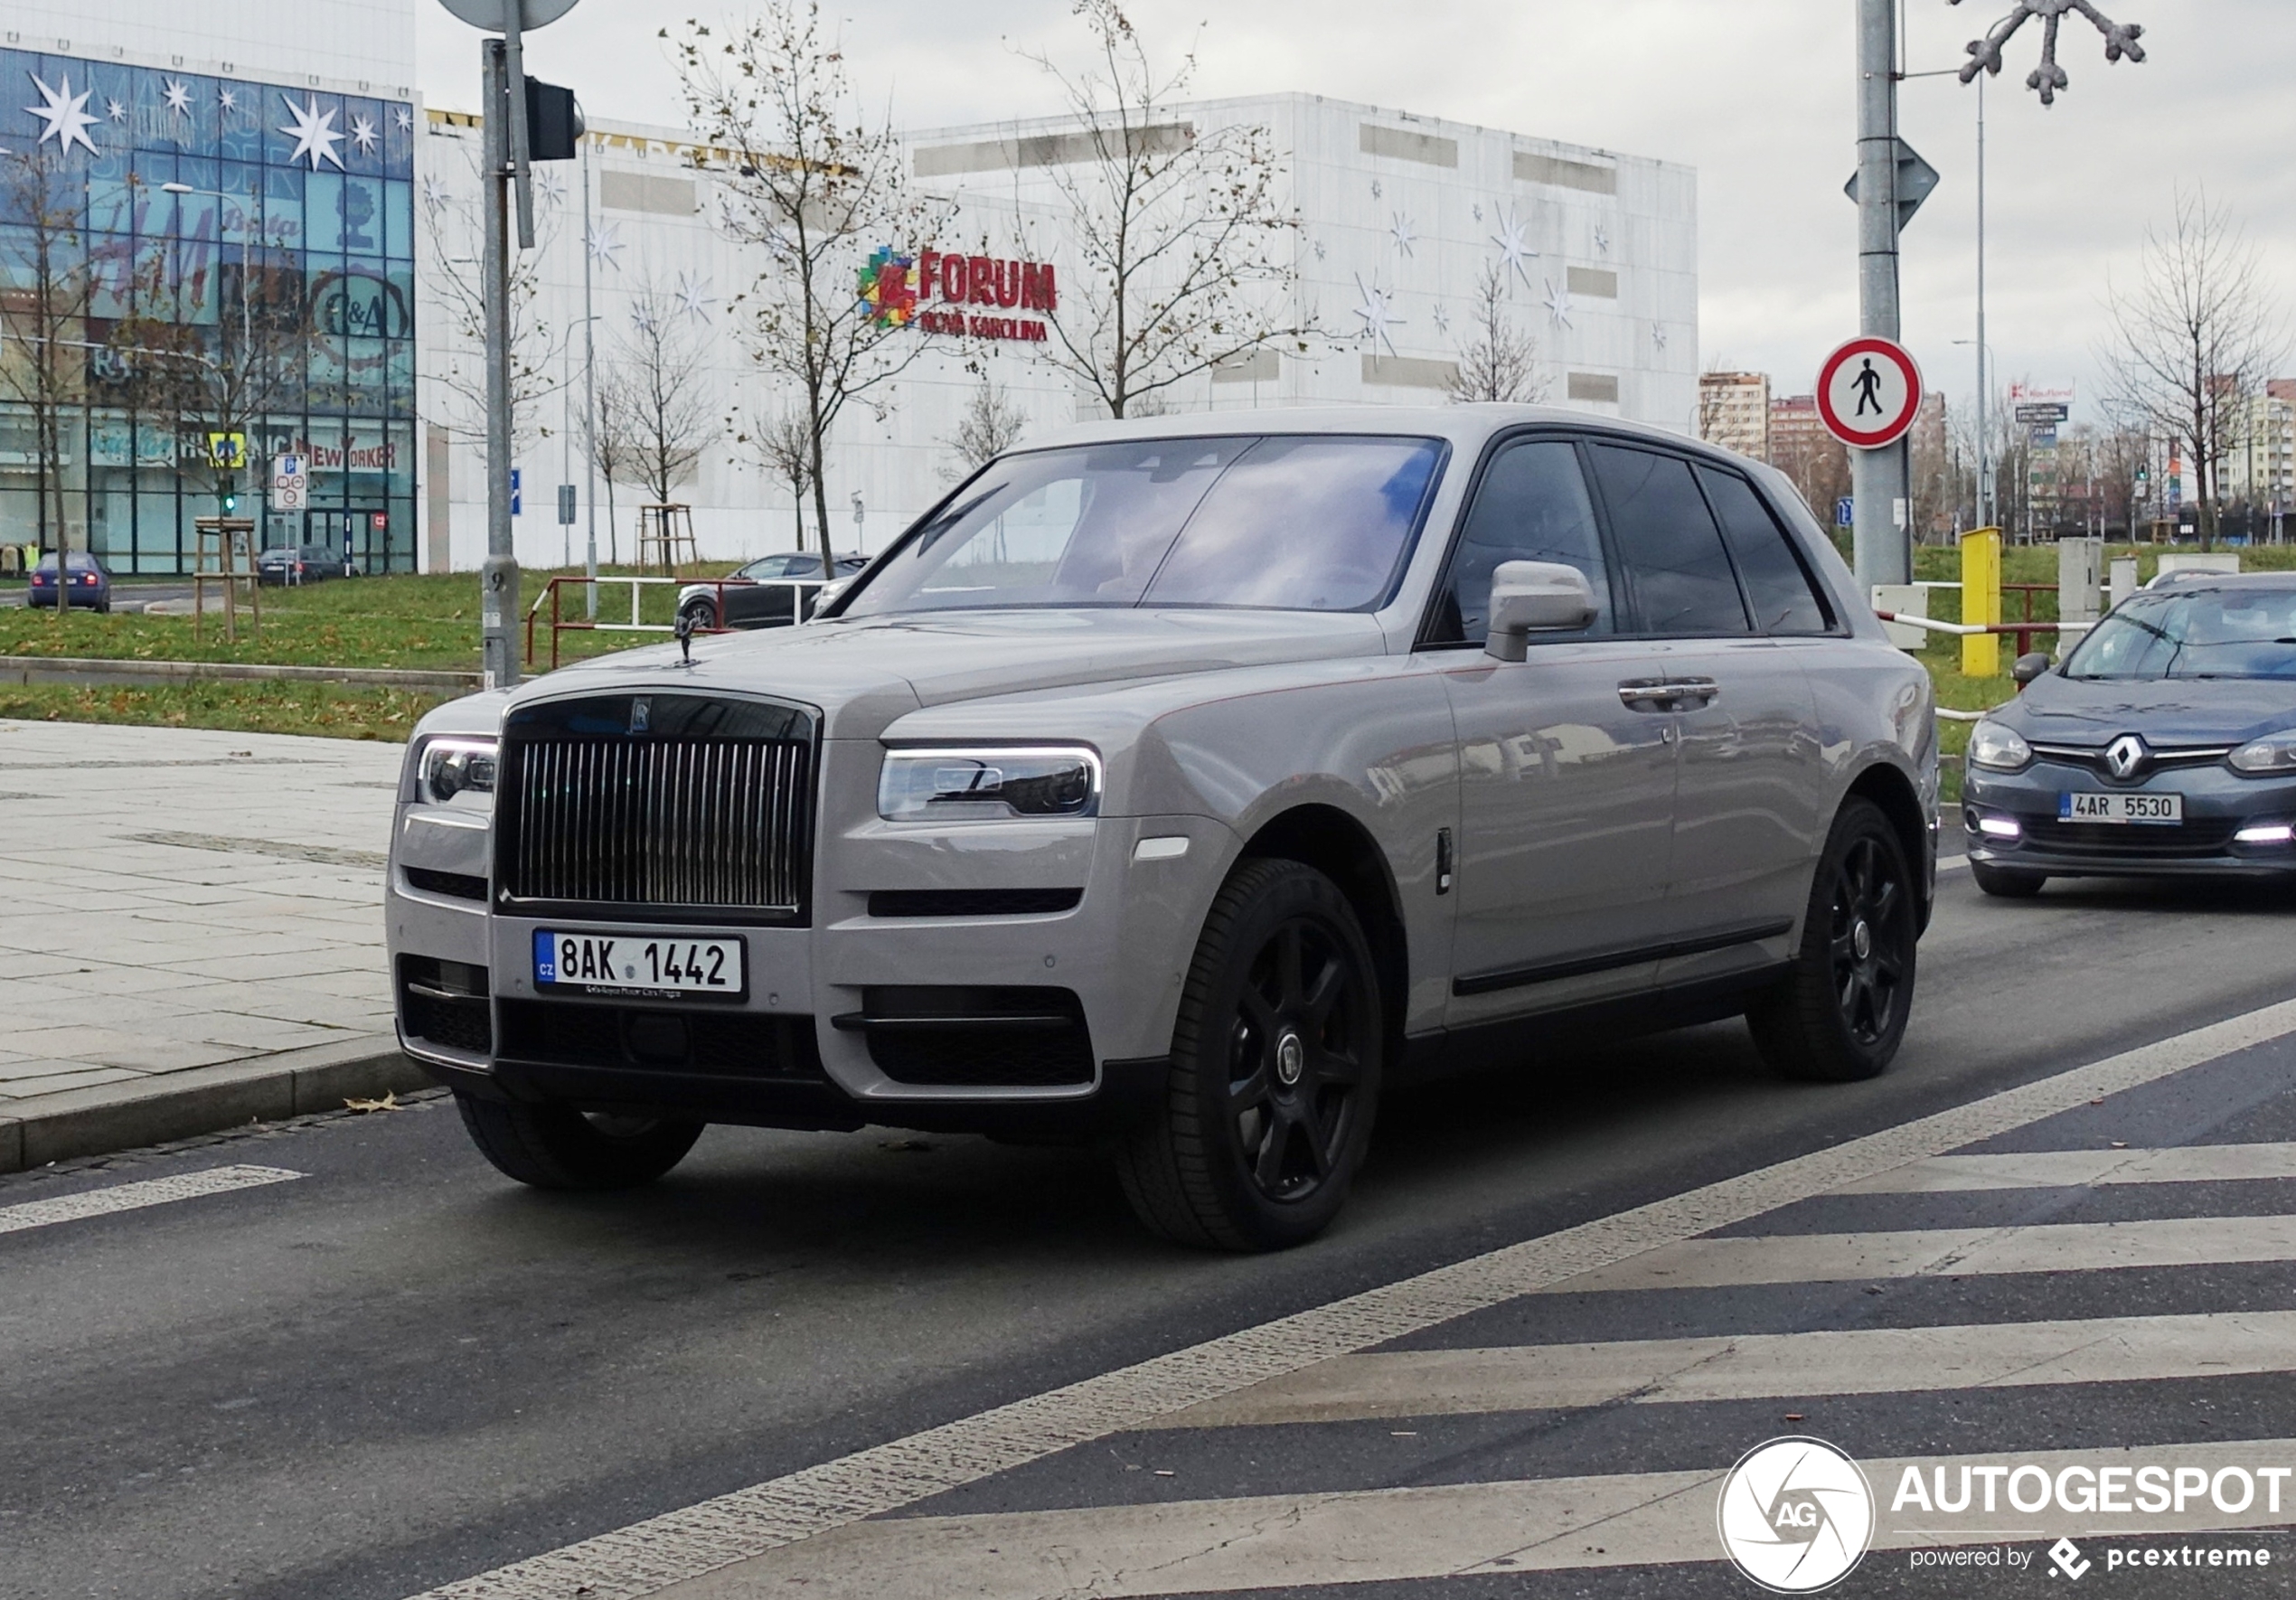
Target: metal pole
498,579
1883,513
1984,441
589,385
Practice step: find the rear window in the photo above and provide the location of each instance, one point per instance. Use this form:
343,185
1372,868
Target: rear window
1312,523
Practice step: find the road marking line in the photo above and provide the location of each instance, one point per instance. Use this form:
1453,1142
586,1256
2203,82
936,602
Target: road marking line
1400,1535
2085,1169
130,1197
2053,1247
1952,863
648,1556
1766,1365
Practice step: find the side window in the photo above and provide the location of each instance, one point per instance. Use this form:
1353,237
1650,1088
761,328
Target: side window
1784,600
1668,545
1530,506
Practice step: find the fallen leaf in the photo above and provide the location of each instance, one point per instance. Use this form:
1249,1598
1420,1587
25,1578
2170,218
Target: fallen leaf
1794,1416
389,1102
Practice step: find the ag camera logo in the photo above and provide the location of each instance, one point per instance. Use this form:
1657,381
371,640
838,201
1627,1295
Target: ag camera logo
1795,1515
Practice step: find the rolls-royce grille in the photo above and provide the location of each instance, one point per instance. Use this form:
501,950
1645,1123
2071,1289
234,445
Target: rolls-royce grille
685,809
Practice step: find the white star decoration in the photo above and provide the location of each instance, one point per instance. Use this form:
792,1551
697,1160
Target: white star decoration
434,191
1319,249
364,134
642,316
65,114
115,110
1442,319
549,184
1404,236
1512,251
1477,210
694,297
605,242
179,99
1558,303
1378,316
403,118
1375,188
228,99
314,134
1658,335
1602,242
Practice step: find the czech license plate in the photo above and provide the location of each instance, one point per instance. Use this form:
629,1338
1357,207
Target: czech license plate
2121,808
640,964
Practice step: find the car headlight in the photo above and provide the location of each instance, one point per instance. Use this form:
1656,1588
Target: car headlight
989,783
452,767
1997,748
2274,753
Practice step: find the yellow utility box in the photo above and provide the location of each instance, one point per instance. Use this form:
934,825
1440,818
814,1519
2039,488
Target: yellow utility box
1981,600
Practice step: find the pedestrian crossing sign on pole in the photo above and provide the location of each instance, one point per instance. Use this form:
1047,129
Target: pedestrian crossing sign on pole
227,452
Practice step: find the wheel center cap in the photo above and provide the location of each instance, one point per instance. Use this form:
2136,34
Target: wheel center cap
1861,940
1291,1058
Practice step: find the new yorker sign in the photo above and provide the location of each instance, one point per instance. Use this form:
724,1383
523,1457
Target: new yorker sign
943,292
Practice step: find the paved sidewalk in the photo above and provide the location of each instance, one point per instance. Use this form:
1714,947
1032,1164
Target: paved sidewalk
176,901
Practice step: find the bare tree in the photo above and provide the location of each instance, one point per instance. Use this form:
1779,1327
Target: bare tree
50,282
2192,341
990,426
1497,360
816,184
661,395
783,443
1185,244
456,288
616,447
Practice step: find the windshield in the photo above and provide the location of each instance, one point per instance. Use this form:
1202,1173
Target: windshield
2214,633
1319,522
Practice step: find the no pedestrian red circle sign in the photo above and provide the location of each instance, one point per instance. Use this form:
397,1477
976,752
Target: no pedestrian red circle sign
1868,393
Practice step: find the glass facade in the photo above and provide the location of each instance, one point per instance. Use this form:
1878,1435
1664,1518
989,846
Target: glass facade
281,283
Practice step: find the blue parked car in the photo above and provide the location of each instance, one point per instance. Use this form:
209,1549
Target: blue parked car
90,584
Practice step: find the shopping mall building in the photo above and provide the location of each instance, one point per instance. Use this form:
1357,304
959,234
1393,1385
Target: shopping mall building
320,164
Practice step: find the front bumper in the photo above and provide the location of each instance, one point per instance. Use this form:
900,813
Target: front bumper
2218,802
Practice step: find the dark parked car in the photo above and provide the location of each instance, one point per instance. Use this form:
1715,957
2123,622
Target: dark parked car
89,585
300,564
758,595
2164,745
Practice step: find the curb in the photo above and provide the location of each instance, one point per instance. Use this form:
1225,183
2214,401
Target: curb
112,1117
95,671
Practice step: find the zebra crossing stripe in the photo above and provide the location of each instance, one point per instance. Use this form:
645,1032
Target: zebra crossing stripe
649,1555
1764,1366
2063,1247
2081,1169
1392,1535
130,1197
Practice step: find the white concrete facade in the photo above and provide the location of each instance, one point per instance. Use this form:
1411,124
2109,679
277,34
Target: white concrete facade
1396,211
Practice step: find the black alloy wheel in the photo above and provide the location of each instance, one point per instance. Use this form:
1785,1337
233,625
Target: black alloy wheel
1841,1012
1276,1070
703,613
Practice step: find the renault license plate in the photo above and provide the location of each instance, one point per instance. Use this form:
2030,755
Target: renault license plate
655,964
2120,808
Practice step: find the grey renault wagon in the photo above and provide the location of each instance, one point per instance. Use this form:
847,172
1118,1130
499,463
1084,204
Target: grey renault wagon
1180,786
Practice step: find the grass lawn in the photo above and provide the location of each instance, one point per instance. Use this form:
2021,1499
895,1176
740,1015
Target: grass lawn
233,707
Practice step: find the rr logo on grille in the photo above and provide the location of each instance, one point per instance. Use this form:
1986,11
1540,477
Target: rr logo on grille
640,710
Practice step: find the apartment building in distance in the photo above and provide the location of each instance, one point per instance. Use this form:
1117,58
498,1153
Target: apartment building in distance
1734,412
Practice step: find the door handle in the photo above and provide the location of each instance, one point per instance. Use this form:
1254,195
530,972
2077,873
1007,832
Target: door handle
1647,694
1697,692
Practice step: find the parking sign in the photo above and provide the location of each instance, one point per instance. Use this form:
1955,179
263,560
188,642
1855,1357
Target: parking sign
290,482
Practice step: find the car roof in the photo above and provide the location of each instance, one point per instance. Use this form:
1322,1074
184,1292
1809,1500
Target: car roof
2189,581
1466,427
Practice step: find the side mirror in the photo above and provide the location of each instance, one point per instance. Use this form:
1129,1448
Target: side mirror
2029,666
1535,598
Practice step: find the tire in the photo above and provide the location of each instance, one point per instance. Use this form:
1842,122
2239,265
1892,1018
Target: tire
704,614
558,1147
1840,1015
1275,1067
2005,884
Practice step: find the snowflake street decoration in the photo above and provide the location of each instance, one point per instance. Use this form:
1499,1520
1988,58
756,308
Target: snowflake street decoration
694,297
605,243
1441,320
642,318
115,110
1378,316
1559,307
179,99
551,184
1375,188
1319,249
434,191
1404,236
314,134
887,285
1658,335
1512,251
1477,210
364,134
1602,241
230,100
403,118
65,116
1985,54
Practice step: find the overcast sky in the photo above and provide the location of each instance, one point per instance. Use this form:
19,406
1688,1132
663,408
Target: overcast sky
1755,94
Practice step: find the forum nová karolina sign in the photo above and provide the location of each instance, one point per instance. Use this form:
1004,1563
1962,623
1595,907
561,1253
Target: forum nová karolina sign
902,290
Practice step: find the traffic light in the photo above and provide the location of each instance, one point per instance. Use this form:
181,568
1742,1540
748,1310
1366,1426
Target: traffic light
231,503
553,122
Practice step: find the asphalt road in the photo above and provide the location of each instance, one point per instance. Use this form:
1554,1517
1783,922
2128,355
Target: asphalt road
399,1369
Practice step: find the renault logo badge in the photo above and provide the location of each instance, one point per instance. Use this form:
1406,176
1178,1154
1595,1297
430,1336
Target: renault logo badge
2125,755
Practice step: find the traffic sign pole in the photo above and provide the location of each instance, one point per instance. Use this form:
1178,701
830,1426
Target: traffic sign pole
1879,476
498,577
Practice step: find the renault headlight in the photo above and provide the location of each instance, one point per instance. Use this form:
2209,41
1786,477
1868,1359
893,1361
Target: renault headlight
452,767
2271,756
1997,748
989,784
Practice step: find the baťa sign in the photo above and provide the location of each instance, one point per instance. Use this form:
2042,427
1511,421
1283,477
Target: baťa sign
1869,392
943,292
